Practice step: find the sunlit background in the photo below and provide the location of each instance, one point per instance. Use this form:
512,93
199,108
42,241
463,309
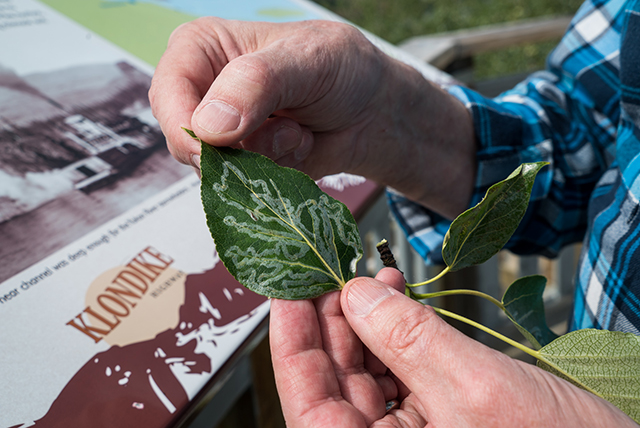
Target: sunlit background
397,20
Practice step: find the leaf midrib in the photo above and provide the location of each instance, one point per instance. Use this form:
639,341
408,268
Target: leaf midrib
339,280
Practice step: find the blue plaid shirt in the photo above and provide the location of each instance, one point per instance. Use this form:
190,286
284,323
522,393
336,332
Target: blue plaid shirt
583,116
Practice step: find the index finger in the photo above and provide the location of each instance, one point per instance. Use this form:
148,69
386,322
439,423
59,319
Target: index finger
173,102
181,78
304,375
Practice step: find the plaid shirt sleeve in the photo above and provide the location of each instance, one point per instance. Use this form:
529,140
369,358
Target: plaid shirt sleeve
548,117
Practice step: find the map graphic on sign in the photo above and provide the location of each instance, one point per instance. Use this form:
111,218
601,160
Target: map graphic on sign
264,10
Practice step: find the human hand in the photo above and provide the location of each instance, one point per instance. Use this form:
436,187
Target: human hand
337,362
224,79
316,96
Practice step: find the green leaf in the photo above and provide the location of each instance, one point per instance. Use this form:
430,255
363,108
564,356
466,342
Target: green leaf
275,231
480,232
192,134
525,308
606,363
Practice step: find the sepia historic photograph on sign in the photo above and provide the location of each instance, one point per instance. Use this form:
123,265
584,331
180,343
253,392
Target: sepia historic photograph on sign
78,146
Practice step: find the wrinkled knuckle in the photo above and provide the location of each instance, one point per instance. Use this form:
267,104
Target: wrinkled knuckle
344,34
412,333
340,28
351,36
352,33
180,31
153,96
177,154
191,29
256,70
156,104
327,33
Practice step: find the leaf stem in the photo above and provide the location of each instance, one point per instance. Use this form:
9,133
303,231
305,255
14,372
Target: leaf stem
495,334
429,281
535,354
461,292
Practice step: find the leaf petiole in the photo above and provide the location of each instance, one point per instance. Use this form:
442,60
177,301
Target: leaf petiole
540,356
520,346
460,292
429,281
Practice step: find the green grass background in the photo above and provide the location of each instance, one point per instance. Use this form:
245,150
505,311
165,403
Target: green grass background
397,20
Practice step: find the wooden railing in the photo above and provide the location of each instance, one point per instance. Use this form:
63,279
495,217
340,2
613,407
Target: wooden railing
454,51
442,49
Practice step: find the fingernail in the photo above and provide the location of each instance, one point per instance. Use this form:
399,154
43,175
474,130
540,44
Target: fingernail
218,117
285,140
364,296
305,147
195,164
195,161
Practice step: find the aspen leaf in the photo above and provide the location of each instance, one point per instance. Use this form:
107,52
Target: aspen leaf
606,363
275,231
525,308
480,232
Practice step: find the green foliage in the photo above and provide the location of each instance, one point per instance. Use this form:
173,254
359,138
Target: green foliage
480,232
275,231
524,306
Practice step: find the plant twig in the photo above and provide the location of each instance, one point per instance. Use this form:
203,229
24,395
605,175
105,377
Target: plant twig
386,256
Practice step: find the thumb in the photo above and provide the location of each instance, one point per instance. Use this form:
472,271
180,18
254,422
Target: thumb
409,338
241,98
457,381
240,102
